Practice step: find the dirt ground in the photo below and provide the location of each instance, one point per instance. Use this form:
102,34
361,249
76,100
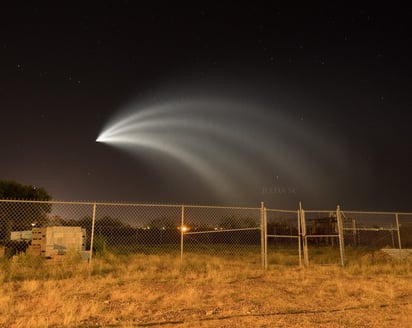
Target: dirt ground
263,302
212,295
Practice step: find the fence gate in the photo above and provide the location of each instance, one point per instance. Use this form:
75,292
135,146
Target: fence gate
282,235
322,236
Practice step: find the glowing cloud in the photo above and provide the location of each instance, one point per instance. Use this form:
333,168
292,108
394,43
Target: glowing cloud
232,145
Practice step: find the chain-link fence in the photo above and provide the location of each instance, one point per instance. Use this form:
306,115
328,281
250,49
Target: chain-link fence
405,230
52,228
137,228
222,231
283,237
258,235
25,226
373,229
325,236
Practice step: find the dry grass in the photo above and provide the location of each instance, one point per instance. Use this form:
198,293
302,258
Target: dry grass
151,291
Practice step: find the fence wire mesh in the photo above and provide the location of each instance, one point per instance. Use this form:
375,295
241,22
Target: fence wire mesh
282,227
372,229
283,237
23,223
137,228
222,231
405,227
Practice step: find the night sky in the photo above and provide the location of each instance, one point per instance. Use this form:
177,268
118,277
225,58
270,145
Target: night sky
342,73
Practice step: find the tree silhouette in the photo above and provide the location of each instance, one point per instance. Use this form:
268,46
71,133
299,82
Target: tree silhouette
20,216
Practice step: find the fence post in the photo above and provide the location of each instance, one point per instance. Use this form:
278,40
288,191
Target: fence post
299,238
92,233
182,231
399,230
262,233
265,229
304,237
341,239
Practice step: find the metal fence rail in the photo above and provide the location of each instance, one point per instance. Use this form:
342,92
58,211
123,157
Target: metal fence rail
51,228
